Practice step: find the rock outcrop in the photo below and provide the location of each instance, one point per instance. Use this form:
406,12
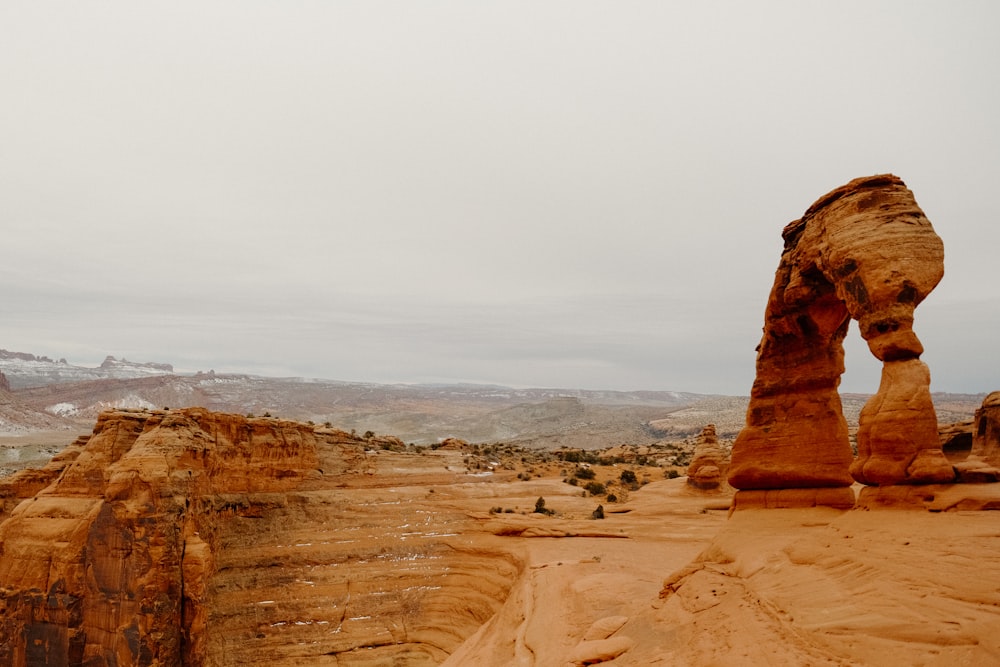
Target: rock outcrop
986,436
864,251
187,537
108,564
982,465
709,464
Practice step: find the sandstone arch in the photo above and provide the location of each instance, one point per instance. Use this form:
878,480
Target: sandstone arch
864,251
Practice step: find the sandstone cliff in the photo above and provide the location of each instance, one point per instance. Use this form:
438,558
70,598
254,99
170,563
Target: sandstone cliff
864,251
108,564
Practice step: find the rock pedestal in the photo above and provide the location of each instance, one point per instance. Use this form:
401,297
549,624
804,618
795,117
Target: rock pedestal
709,464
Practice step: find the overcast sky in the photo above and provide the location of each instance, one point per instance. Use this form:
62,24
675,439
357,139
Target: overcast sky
557,194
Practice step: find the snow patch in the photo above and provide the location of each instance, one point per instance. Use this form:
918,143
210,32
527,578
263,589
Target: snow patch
63,409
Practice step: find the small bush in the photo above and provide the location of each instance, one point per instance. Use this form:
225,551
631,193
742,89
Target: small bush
573,481
584,473
540,507
598,513
612,498
671,474
596,488
628,477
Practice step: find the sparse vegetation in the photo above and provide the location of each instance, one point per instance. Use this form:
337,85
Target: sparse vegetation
540,507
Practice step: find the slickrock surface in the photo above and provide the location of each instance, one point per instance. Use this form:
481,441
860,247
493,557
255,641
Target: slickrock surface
822,587
864,251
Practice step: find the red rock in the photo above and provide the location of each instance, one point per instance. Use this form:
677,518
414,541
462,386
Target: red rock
986,436
863,251
108,564
709,463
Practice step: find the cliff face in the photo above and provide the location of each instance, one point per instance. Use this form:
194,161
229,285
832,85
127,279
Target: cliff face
108,564
186,537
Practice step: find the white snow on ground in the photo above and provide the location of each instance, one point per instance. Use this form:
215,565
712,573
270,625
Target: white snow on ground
63,409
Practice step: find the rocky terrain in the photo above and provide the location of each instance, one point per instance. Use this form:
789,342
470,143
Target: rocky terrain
198,538
187,536
423,414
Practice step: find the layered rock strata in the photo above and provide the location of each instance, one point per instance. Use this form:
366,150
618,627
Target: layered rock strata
709,464
986,436
108,565
864,251
187,537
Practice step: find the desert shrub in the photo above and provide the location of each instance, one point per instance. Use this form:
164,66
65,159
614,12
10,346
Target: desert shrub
671,473
598,513
612,498
508,510
573,481
584,473
540,507
628,477
595,488
368,435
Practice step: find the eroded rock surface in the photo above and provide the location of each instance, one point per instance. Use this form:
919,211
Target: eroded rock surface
199,538
986,437
864,251
709,464
108,564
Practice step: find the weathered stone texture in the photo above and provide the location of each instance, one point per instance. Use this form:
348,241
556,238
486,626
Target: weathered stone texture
108,564
709,464
864,251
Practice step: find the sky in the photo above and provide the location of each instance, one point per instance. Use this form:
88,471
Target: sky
571,194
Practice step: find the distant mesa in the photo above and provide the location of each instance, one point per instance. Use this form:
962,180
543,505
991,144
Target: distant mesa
864,251
112,363
25,370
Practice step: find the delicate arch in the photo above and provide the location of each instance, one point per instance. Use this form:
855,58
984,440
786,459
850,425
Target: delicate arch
864,251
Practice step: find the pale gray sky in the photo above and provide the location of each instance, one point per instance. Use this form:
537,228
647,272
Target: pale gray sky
570,194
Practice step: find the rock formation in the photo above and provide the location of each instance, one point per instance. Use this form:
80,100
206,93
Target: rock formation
709,464
187,537
108,564
986,437
982,465
864,251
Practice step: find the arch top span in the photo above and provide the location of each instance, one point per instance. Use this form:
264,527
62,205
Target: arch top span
864,251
